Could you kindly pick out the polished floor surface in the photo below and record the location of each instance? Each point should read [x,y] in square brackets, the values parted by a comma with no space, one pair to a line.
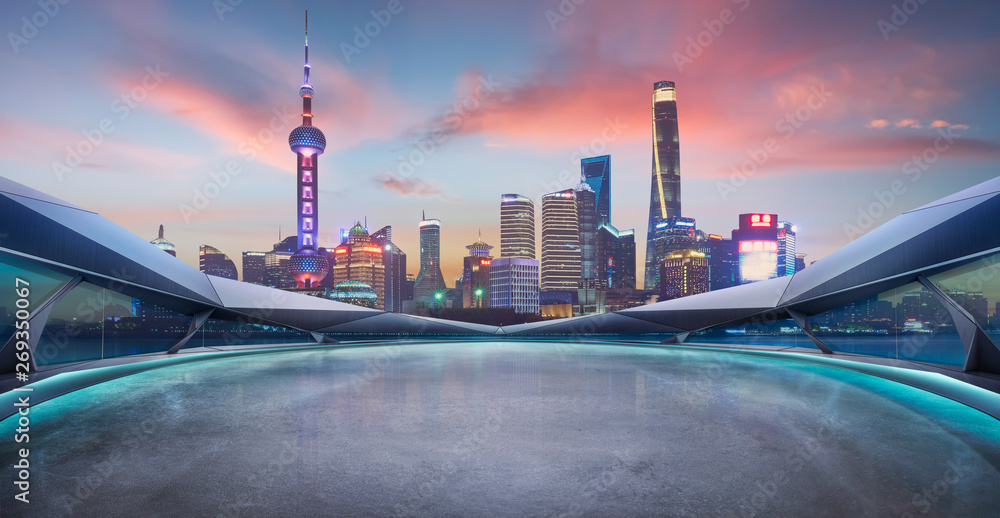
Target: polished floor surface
[505,429]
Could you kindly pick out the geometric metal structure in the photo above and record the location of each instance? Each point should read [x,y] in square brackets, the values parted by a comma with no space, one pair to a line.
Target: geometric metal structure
[918,246]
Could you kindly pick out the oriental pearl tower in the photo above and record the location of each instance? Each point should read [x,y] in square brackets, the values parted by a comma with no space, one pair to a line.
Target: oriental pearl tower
[308,267]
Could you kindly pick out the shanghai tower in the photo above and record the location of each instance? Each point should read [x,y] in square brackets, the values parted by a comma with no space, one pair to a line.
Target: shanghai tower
[665,190]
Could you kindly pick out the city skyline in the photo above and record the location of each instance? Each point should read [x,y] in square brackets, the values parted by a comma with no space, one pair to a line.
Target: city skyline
[192,105]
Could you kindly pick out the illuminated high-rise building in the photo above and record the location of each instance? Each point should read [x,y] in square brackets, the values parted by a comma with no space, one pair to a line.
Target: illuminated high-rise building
[430,281]
[665,189]
[214,262]
[161,243]
[723,263]
[757,247]
[560,242]
[616,259]
[683,273]
[587,224]
[307,266]
[514,284]
[476,275]
[359,259]
[254,267]
[786,248]
[596,172]
[394,261]
[517,226]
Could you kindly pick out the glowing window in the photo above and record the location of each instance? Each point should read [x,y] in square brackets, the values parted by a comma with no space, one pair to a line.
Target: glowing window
[307,224]
[307,240]
[307,193]
[307,176]
[307,208]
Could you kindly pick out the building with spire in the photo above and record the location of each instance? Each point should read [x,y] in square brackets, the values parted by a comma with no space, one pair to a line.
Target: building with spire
[476,275]
[307,266]
[430,286]
[360,259]
[161,243]
[665,187]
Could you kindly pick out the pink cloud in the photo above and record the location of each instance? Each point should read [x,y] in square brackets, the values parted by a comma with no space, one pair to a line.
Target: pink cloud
[878,123]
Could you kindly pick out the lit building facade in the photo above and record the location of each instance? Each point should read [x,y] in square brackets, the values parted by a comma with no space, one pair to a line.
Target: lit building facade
[560,242]
[476,275]
[587,224]
[684,273]
[355,292]
[517,226]
[394,261]
[723,263]
[757,245]
[596,172]
[360,259]
[616,259]
[430,281]
[254,267]
[161,243]
[786,248]
[665,188]
[307,266]
[514,283]
[214,262]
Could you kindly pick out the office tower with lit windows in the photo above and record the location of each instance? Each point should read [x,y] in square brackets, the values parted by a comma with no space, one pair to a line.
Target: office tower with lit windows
[476,275]
[430,281]
[684,273]
[665,189]
[360,259]
[394,261]
[517,226]
[587,224]
[214,262]
[161,243]
[254,267]
[786,248]
[616,262]
[757,245]
[307,266]
[560,269]
[514,283]
[596,172]
[723,263]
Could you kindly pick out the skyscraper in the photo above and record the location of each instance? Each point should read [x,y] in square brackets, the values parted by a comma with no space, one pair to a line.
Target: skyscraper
[786,248]
[476,275]
[723,263]
[596,172]
[214,262]
[394,261]
[430,282]
[307,266]
[683,273]
[757,245]
[254,267]
[517,226]
[616,262]
[163,244]
[359,259]
[587,224]
[514,284]
[560,242]
[665,189]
